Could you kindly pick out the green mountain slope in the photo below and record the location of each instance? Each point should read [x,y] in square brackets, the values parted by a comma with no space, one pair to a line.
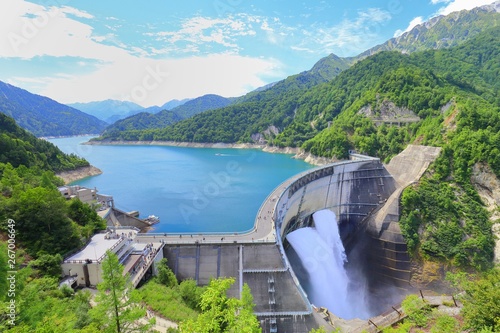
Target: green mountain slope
[145,120]
[43,116]
[18,147]
[290,106]
[46,224]
[422,82]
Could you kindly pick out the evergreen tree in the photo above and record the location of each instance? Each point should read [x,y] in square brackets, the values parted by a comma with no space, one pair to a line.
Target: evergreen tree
[117,310]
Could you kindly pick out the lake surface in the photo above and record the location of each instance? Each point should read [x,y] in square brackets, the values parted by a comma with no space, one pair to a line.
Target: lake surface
[190,189]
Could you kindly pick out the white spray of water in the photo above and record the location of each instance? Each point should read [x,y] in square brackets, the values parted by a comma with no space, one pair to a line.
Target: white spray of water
[322,254]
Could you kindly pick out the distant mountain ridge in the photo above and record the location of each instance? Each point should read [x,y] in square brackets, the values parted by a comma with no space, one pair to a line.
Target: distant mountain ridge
[107,108]
[441,31]
[111,111]
[43,116]
[145,120]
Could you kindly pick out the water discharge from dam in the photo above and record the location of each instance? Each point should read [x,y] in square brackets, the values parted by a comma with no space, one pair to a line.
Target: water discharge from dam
[325,279]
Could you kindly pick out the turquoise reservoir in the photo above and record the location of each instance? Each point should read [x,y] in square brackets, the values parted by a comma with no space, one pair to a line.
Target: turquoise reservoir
[190,189]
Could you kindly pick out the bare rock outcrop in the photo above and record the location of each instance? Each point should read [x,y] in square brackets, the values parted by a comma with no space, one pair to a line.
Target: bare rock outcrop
[487,185]
[79,173]
[387,112]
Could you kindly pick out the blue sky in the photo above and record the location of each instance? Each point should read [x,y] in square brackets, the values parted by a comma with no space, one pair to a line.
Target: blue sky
[153,51]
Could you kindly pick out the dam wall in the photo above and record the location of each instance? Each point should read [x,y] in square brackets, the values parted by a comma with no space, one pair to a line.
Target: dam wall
[351,189]
[279,305]
[363,193]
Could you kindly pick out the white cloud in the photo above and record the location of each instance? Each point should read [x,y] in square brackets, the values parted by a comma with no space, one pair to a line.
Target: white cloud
[413,23]
[28,30]
[153,82]
[457,5]
[347,38]
[76,12]
[439,1]
[127,72]
[201,30]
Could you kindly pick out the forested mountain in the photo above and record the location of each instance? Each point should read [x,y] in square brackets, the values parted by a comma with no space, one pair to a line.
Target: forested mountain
[202,104]
[43,116]
[287,105]
[422,82]
[111,111]
[46,223]
[147,120]
[19,147]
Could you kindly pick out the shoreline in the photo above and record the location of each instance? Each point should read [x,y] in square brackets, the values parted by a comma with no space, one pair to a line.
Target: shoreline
[78,174]
[298,153]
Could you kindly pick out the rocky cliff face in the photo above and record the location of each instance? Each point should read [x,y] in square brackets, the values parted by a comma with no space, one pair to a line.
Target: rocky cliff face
[80,173]
[487,185]
[387,112]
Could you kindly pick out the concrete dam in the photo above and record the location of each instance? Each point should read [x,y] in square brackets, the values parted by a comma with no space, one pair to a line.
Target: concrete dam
[364,195]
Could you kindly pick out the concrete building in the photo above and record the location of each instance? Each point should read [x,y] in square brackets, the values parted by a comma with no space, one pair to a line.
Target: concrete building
[84,269]
[86,195]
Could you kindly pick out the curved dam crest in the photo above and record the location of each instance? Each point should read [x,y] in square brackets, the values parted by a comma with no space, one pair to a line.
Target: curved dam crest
[364,196]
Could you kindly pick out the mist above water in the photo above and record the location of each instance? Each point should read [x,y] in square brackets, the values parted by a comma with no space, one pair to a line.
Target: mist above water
[326,280]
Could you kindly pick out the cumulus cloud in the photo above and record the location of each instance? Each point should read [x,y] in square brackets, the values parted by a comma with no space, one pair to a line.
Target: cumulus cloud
[413,23]
[124,71]
[153,82]
[28,30]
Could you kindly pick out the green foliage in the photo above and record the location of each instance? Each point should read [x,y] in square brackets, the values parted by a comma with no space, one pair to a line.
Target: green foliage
[447,221]
[191,293]
[44,307]
[48,265]
[446,32]
[42,222]
[481,309]
[44,219]
[223,314]
[445,324]
[416,309]
[404,327]
[19,147]
[116,309]
[168,302]
[165,274]
[3,272]
[85,216]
